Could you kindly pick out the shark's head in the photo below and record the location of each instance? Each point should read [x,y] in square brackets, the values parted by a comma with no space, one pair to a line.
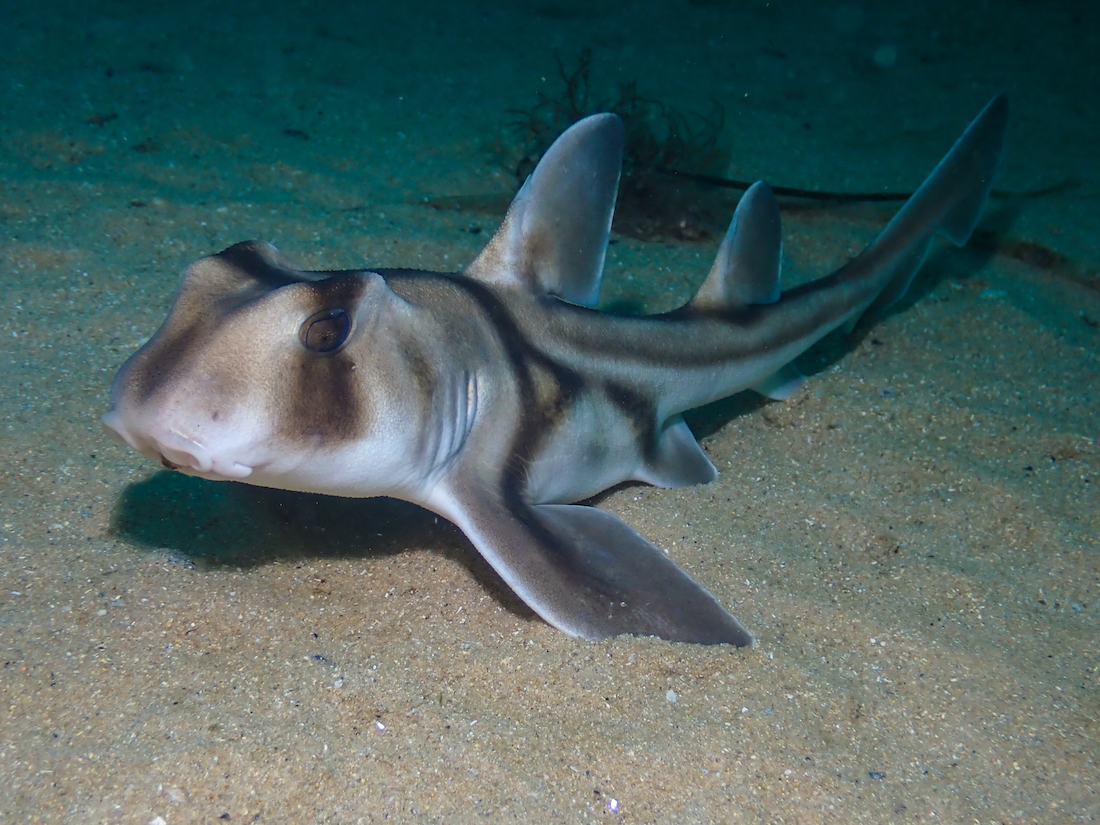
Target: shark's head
[267,373]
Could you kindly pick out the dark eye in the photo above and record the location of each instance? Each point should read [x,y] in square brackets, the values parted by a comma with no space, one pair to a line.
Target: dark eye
[325,330]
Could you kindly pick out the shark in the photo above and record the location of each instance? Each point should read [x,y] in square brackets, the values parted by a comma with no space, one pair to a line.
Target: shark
[499,397]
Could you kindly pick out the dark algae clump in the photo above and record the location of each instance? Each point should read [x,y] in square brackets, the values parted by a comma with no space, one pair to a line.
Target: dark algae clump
[652,204]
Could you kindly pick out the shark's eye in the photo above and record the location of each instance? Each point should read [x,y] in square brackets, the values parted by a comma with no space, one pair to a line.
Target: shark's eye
[326,330]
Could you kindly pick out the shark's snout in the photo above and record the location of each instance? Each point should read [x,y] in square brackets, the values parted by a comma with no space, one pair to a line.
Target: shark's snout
[172,449]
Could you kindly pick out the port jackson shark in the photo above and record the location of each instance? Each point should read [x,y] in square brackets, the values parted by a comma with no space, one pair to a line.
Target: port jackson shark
[498,397]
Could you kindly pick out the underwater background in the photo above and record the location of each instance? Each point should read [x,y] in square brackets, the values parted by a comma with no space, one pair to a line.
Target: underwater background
[913,537]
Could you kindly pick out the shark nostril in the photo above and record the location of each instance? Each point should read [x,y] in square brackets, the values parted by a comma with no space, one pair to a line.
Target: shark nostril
[178,452]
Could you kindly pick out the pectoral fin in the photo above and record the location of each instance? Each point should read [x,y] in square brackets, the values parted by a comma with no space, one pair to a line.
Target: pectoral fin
[587,573]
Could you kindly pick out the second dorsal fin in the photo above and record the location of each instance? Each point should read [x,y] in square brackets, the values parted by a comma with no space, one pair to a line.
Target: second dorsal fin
[746,270]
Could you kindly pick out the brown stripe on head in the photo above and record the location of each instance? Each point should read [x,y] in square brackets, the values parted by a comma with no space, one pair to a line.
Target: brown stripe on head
[321,395]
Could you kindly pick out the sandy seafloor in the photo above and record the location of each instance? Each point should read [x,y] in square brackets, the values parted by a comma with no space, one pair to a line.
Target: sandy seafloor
[913,537]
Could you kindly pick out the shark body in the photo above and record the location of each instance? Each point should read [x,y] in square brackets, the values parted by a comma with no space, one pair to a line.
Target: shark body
[497,397]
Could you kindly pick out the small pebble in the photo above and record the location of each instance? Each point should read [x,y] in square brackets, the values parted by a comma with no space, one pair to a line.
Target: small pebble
[175,558]
[671,696]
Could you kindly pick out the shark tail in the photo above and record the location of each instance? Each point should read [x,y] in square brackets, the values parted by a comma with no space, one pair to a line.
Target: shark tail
[948,203]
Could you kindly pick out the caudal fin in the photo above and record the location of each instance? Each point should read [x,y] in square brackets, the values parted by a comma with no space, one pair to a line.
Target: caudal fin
[949,202]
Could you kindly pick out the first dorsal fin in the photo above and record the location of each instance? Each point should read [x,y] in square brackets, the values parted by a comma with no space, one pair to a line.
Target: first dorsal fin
[554,237]
[746,270]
